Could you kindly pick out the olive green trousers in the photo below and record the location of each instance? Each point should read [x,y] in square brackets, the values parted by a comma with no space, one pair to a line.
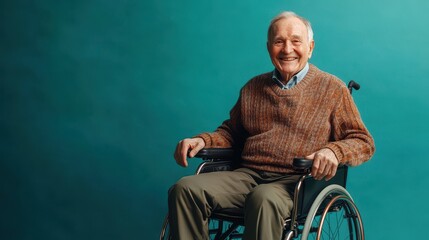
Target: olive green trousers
[265,198]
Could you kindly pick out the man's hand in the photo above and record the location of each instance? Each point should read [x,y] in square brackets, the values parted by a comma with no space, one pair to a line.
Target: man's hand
[325,164]
[182,148]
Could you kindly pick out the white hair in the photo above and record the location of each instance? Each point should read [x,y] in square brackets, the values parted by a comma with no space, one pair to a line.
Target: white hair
[288,14]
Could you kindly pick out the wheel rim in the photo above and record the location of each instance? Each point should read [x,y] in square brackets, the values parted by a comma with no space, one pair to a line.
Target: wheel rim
[340,220]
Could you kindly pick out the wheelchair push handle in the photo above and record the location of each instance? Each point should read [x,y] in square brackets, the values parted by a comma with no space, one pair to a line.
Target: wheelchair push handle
[353,85]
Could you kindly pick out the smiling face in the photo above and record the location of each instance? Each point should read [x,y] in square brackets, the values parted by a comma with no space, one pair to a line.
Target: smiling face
[289,46]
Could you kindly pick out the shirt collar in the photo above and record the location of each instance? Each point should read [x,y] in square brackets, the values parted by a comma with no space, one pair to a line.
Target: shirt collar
[293,81]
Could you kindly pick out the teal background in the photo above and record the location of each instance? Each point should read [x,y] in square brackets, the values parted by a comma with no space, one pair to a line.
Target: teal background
[95,94]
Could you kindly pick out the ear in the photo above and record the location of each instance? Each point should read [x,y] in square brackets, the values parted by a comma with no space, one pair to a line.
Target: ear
[311,49]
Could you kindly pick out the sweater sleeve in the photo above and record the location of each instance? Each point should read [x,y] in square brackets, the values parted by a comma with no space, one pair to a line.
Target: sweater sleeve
[352,143]
[230,134]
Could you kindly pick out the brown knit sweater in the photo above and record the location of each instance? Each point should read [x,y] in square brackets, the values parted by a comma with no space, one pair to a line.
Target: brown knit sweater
[273,126]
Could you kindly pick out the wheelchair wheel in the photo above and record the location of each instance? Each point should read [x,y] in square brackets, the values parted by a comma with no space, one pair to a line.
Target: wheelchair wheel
[333,215]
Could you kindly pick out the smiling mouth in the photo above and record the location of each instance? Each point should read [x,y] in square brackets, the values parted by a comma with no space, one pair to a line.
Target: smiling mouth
[288,59]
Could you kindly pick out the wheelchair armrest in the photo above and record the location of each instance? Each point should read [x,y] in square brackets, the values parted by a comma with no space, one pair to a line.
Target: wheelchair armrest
[305,165]
[302,164]
[217,159]
[217,153]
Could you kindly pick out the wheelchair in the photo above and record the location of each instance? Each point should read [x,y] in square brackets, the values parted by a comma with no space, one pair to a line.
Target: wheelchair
[321,209]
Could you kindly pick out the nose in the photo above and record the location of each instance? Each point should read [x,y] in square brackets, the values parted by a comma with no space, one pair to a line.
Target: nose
[288,47]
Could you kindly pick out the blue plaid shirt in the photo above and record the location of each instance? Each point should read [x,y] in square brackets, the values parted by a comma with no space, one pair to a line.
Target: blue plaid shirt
[293,81]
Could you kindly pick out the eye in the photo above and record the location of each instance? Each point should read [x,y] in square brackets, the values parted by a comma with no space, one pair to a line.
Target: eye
[296,42]
[278,42]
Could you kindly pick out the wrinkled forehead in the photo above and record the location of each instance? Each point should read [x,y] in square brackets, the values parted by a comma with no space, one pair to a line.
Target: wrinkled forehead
[291,25]
[288,26]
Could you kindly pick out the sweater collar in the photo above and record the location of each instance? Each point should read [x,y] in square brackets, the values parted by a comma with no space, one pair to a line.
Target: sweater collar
[309,76]
[277,77]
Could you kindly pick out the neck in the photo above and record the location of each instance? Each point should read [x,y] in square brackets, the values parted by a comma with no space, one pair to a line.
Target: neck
[288,76]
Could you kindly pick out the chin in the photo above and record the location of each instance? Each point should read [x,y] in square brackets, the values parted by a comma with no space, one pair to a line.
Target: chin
[289,69]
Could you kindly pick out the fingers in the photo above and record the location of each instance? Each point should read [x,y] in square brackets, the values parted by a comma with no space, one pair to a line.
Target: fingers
[198,144]
[320,167]
[183,147]
[179,155]
[331,174]
[325,164]
[315,167]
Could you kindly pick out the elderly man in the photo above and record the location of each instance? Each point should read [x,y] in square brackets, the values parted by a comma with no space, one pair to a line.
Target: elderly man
[296,110]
